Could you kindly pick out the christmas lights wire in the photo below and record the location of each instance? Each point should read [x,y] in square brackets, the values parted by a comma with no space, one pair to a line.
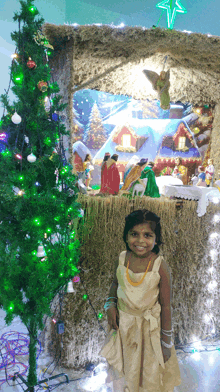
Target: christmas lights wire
[13,344]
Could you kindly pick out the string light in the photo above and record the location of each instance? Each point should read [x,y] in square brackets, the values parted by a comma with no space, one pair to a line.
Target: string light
[211,270]
[215,200]
[213,236]
[212,285]
[216,218]
[213,254]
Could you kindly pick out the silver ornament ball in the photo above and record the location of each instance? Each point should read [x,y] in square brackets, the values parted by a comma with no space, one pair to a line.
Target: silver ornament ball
[16,119]
[31,158]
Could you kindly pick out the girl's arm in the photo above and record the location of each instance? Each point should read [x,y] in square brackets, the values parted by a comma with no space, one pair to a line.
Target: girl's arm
[114,286]
[112,312]
[165,298]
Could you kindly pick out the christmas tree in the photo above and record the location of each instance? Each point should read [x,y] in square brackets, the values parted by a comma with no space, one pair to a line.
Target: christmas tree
[95,136]
[39,250]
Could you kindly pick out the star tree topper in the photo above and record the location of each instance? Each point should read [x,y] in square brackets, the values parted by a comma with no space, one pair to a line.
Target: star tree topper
[172,7]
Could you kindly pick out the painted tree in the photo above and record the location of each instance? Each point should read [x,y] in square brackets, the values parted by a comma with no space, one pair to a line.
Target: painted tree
[38,248]
[78,127]
[95,135]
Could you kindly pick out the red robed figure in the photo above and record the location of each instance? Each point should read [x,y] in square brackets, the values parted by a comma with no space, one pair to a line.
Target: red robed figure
[110,178]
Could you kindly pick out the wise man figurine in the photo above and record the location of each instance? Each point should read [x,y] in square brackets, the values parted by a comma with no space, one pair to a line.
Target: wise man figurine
[111,176]
[104,189]
[209,172]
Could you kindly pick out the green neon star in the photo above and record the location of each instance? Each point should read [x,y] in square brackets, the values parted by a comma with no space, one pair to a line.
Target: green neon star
[171,10]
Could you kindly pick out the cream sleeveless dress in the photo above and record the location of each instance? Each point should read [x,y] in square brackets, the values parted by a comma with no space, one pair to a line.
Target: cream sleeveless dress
[134,351]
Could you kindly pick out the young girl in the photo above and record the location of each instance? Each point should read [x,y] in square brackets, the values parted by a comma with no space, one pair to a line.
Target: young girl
[87,167]
[139,311]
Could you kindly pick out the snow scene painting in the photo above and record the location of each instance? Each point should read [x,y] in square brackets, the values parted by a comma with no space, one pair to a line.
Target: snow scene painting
[122,125]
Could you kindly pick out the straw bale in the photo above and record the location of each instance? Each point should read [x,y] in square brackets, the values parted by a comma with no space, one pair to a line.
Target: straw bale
[185,248]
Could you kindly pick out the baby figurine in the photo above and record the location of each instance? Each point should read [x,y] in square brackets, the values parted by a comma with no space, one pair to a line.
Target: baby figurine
[209,171]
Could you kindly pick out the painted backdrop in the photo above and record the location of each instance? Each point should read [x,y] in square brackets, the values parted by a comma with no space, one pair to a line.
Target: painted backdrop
[122,125]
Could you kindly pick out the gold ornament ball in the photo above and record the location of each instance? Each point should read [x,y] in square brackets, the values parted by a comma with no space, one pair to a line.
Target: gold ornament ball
[42,86]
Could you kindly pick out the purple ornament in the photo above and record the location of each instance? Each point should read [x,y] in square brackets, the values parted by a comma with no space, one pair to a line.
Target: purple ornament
[76,279]
[55,117]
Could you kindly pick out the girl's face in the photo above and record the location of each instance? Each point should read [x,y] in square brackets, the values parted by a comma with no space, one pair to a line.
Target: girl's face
[141,240]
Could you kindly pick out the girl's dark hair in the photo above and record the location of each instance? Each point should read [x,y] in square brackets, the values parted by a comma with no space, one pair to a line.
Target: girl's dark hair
[143,216]
[86,158]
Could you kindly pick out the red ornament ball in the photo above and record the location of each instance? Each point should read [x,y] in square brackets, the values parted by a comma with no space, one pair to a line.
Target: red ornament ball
[42,86]
[31,64]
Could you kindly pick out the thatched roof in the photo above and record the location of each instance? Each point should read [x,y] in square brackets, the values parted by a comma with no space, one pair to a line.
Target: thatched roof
[193,58]
[192,50]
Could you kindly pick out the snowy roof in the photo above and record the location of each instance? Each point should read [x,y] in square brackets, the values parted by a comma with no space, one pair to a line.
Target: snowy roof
[81,149]
[154,130]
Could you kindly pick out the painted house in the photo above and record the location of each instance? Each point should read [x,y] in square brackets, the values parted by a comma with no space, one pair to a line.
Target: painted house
[181,144]
[159,140]
[79,153]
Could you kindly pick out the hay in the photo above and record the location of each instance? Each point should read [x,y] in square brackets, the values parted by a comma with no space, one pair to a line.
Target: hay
[185,237]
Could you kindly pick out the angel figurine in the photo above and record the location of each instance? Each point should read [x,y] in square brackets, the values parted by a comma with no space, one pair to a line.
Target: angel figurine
[161,84]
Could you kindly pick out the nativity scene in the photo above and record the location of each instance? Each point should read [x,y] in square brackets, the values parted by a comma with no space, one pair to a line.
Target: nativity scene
[151,129]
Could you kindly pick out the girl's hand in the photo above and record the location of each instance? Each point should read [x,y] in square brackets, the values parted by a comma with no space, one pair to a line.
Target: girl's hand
[166,353]
[113,318]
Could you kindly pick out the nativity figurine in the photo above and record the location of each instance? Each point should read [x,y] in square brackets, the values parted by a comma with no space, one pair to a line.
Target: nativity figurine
[161,84]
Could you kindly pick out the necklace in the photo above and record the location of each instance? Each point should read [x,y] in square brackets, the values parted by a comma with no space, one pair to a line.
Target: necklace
[137,283]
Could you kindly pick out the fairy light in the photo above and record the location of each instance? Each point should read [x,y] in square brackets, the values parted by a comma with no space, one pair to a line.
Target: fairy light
[213,254]
[211,270]
[213,236]
[209,302]
[215,200]
[212,285]
[216,218]
[208,317]
[14,56]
